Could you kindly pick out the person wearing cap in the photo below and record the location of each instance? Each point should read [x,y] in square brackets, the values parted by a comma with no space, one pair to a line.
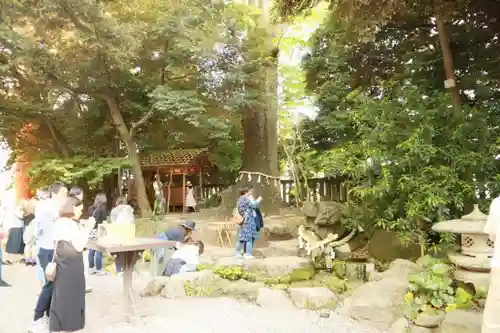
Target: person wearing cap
[180,234]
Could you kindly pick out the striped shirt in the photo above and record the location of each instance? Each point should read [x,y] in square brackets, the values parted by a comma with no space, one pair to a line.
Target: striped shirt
[46,214]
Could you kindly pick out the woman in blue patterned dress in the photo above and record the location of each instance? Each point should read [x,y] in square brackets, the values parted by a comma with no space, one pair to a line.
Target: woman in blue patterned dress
[248,229]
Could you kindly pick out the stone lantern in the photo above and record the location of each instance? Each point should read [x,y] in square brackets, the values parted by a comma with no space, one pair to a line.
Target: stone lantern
[473,261]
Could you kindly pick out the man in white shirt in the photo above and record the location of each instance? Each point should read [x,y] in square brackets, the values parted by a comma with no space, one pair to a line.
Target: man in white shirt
[46,213]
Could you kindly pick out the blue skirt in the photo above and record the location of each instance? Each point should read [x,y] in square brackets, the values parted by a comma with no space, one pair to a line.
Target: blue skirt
[15,243]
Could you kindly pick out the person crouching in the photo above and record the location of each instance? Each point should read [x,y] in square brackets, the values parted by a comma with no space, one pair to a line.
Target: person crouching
[185,259]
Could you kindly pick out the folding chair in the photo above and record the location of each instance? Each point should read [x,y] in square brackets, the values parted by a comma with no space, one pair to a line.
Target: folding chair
[223,234]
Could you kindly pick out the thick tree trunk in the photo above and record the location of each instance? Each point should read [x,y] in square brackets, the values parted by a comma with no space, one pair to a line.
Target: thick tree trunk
[123,131]
[58,139]
[444,42]
[260,148]
[448,64]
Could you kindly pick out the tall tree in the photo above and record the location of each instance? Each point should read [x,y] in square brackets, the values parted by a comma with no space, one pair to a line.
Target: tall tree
[138,60]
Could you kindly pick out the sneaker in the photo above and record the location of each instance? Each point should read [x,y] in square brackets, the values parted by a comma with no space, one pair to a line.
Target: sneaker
[100,273]
[4,284]
[39,326]
[92,271]
[238,255]
[248,256]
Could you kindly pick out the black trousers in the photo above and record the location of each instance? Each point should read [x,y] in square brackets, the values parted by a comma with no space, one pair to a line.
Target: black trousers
[45,298]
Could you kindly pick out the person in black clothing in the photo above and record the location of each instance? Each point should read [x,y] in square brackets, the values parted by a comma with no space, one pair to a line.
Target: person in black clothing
[100,214]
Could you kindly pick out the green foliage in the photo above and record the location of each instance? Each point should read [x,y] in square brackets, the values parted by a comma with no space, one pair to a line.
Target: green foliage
[195,291]
[336,285]
[76,170]
[430,290]
[213,200]
[384,118]
[234,273]
[202,267]
[231,273]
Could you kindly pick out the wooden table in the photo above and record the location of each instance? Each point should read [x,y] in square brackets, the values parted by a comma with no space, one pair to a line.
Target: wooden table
[127,255]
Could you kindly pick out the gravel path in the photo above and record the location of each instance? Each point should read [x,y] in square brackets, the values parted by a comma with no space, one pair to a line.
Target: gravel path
[191,315]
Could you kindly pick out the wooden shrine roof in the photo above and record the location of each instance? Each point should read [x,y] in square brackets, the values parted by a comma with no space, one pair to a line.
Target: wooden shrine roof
[176,157]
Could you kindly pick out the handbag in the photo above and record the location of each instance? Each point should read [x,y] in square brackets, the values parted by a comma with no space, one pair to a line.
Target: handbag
[29,234]
[237,218]
[51,269]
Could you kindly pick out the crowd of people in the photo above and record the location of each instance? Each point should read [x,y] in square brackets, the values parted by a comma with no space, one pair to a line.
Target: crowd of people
[50,233]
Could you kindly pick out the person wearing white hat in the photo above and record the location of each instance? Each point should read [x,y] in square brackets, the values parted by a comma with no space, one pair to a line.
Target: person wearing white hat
[190,199]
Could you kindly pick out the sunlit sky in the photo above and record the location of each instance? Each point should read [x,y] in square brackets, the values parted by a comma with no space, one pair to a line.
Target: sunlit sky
[302,31]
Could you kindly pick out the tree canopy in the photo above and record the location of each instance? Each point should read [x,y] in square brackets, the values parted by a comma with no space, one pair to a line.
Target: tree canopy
[96,79]
[385,117]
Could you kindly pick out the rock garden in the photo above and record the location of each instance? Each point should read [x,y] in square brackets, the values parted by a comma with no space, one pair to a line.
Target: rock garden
[399,295]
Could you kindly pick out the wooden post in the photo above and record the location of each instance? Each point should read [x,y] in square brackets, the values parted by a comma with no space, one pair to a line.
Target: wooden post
[183,190]
[200,180]
[169,191]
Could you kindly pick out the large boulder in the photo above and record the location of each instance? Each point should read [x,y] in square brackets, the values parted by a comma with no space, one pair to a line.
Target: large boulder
[280,248]
[241,289]
[329,213]
[155,286]
[269,267]
[402,325]
[278,266]
[313,298]
[398,268]
[182,285]
[386,246]
[381,301]
[324,213]
[273,299]
[461,321]
[207,284]
[310,209]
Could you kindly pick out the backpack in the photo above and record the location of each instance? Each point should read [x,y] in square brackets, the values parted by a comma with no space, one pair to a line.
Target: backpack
[259,218]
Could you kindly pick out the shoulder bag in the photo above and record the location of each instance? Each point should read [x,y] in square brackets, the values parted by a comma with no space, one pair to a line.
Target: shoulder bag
[237,218]
[51,269]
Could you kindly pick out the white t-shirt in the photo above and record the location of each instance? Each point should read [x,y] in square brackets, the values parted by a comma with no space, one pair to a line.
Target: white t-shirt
[493,229]
[189,253]
[69,230]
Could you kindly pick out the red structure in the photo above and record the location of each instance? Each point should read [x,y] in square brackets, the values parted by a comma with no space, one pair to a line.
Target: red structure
[21,181]
[21,166]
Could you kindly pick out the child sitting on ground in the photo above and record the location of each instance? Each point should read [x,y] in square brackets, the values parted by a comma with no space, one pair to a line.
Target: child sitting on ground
[185,259]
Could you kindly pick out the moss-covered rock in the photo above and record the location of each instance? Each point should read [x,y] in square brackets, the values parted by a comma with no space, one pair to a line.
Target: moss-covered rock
[336,285]
[258,271]
[302,274]
[313,298]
